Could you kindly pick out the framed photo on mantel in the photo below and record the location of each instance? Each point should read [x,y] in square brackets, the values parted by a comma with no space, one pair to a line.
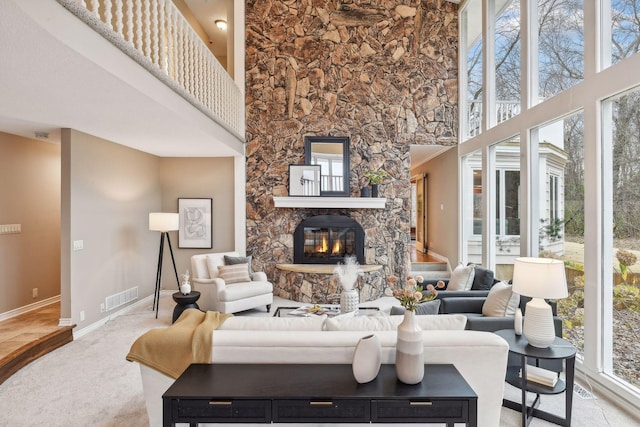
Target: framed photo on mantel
[196,223]
[304,180]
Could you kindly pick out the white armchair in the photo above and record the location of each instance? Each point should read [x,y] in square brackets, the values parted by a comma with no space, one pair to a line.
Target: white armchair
[217,295]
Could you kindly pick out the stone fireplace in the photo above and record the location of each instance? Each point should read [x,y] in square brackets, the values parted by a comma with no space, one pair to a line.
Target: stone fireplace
[384,74]
[327,239]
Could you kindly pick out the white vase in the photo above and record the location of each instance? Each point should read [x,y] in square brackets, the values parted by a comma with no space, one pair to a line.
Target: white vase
[366,359]
[517,322]
[185,288]
[349,301]
[409,350]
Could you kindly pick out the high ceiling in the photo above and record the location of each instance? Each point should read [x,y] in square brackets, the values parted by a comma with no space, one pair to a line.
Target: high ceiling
[58,73]
[207,12]
[51,81]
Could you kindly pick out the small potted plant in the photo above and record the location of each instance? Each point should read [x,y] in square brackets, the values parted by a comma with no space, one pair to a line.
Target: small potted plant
[375,178]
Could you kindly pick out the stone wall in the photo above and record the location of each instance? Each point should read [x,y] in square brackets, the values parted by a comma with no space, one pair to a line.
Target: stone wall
[384,73]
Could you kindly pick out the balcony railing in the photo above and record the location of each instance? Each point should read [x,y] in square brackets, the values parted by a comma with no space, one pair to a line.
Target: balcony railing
[156,35]
[504,111]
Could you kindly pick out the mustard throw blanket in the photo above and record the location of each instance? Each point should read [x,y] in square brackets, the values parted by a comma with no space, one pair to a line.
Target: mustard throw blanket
[171,350]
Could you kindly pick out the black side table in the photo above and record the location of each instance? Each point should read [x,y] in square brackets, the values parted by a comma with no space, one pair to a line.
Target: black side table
[558,350]
[183,302]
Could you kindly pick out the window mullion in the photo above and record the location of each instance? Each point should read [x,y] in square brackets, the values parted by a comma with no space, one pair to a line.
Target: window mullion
[529,54]
[489,193]
[489,64]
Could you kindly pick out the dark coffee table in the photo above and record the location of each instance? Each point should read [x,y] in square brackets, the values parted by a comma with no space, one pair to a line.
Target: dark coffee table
[183,302]
[258,393]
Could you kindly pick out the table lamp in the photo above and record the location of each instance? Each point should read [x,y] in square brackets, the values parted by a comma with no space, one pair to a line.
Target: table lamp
[163,222]
[539,278]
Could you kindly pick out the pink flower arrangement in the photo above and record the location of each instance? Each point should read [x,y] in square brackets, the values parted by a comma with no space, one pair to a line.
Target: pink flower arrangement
[412,294]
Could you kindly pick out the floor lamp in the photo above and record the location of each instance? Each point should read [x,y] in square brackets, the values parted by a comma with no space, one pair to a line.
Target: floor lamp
[163,222]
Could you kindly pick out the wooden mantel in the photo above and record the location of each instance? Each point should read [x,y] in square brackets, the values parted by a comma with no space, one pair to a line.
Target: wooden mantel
[321,268]
[330,202]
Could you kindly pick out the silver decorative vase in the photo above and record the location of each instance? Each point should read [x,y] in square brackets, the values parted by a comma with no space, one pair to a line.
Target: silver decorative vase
[349,301]
[409,350]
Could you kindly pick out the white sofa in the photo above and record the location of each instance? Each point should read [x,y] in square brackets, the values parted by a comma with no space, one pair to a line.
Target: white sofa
[216,295]
[481,357]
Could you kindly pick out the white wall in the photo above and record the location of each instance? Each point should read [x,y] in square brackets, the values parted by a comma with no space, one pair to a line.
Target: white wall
[442,204]
[108,191]
[29,196]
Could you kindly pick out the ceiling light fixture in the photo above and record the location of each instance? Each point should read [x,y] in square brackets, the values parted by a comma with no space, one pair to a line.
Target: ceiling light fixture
[221,24]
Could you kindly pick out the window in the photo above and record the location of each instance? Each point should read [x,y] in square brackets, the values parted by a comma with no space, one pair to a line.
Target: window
[508,62]
[570,187]
[554,208]
[622,282]
[625,29]
[561,45]
[472,39]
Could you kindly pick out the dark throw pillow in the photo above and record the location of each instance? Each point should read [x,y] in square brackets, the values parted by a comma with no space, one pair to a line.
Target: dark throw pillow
[428,307]
[483,279]
[232,260]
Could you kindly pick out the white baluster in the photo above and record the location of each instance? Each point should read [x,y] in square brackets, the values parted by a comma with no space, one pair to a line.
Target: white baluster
[129,27]
[155,32]
[95,8]
[147,30]
[180,55]
[119,16]
[108,17]
[138,43]
[163,36]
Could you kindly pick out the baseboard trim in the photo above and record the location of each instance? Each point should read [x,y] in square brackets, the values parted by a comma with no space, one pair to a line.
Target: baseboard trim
[95,325]
[27,308]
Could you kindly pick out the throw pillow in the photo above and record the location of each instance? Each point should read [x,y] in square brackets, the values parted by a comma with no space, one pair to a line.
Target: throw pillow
[233,260]
[248,323]
[482,279]
[455,322]
[234,273]
[501,301]
[427,307]
[461,278]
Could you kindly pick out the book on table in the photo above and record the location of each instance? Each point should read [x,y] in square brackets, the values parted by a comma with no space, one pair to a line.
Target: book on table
[540,376]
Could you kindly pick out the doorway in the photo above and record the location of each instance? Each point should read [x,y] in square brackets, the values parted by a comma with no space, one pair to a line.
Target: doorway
[419,212]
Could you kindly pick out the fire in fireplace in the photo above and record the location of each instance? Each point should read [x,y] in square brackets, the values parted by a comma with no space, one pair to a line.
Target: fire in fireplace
[327,239]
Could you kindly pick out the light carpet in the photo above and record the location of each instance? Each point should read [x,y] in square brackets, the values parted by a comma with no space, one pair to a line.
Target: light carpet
[88,382]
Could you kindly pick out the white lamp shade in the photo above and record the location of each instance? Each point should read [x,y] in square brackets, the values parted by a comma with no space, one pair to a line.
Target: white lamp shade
[160,221]
[539,278]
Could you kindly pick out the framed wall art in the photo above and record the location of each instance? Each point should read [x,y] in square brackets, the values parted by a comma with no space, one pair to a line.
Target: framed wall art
[196,223]
[304,180]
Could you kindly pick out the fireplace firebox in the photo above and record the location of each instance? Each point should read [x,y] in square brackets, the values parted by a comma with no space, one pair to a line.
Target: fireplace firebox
[328,239]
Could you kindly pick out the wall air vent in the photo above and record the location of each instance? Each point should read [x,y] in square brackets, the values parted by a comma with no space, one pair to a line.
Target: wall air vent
[121,298]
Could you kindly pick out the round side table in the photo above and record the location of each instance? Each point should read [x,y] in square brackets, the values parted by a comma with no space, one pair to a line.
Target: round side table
[559,349]
[183,302]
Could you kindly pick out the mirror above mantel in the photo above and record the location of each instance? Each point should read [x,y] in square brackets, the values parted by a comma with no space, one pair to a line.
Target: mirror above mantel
[332,154]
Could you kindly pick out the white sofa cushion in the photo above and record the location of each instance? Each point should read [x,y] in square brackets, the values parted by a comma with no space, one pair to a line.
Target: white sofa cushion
[238,291]
[204,265]
[312,323]
[390,323]
[501,301]
[213,262]
[461,278]
[236,273]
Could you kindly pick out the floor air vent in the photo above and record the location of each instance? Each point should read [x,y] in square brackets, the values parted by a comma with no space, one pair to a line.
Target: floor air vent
[121,298]
[583,393]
